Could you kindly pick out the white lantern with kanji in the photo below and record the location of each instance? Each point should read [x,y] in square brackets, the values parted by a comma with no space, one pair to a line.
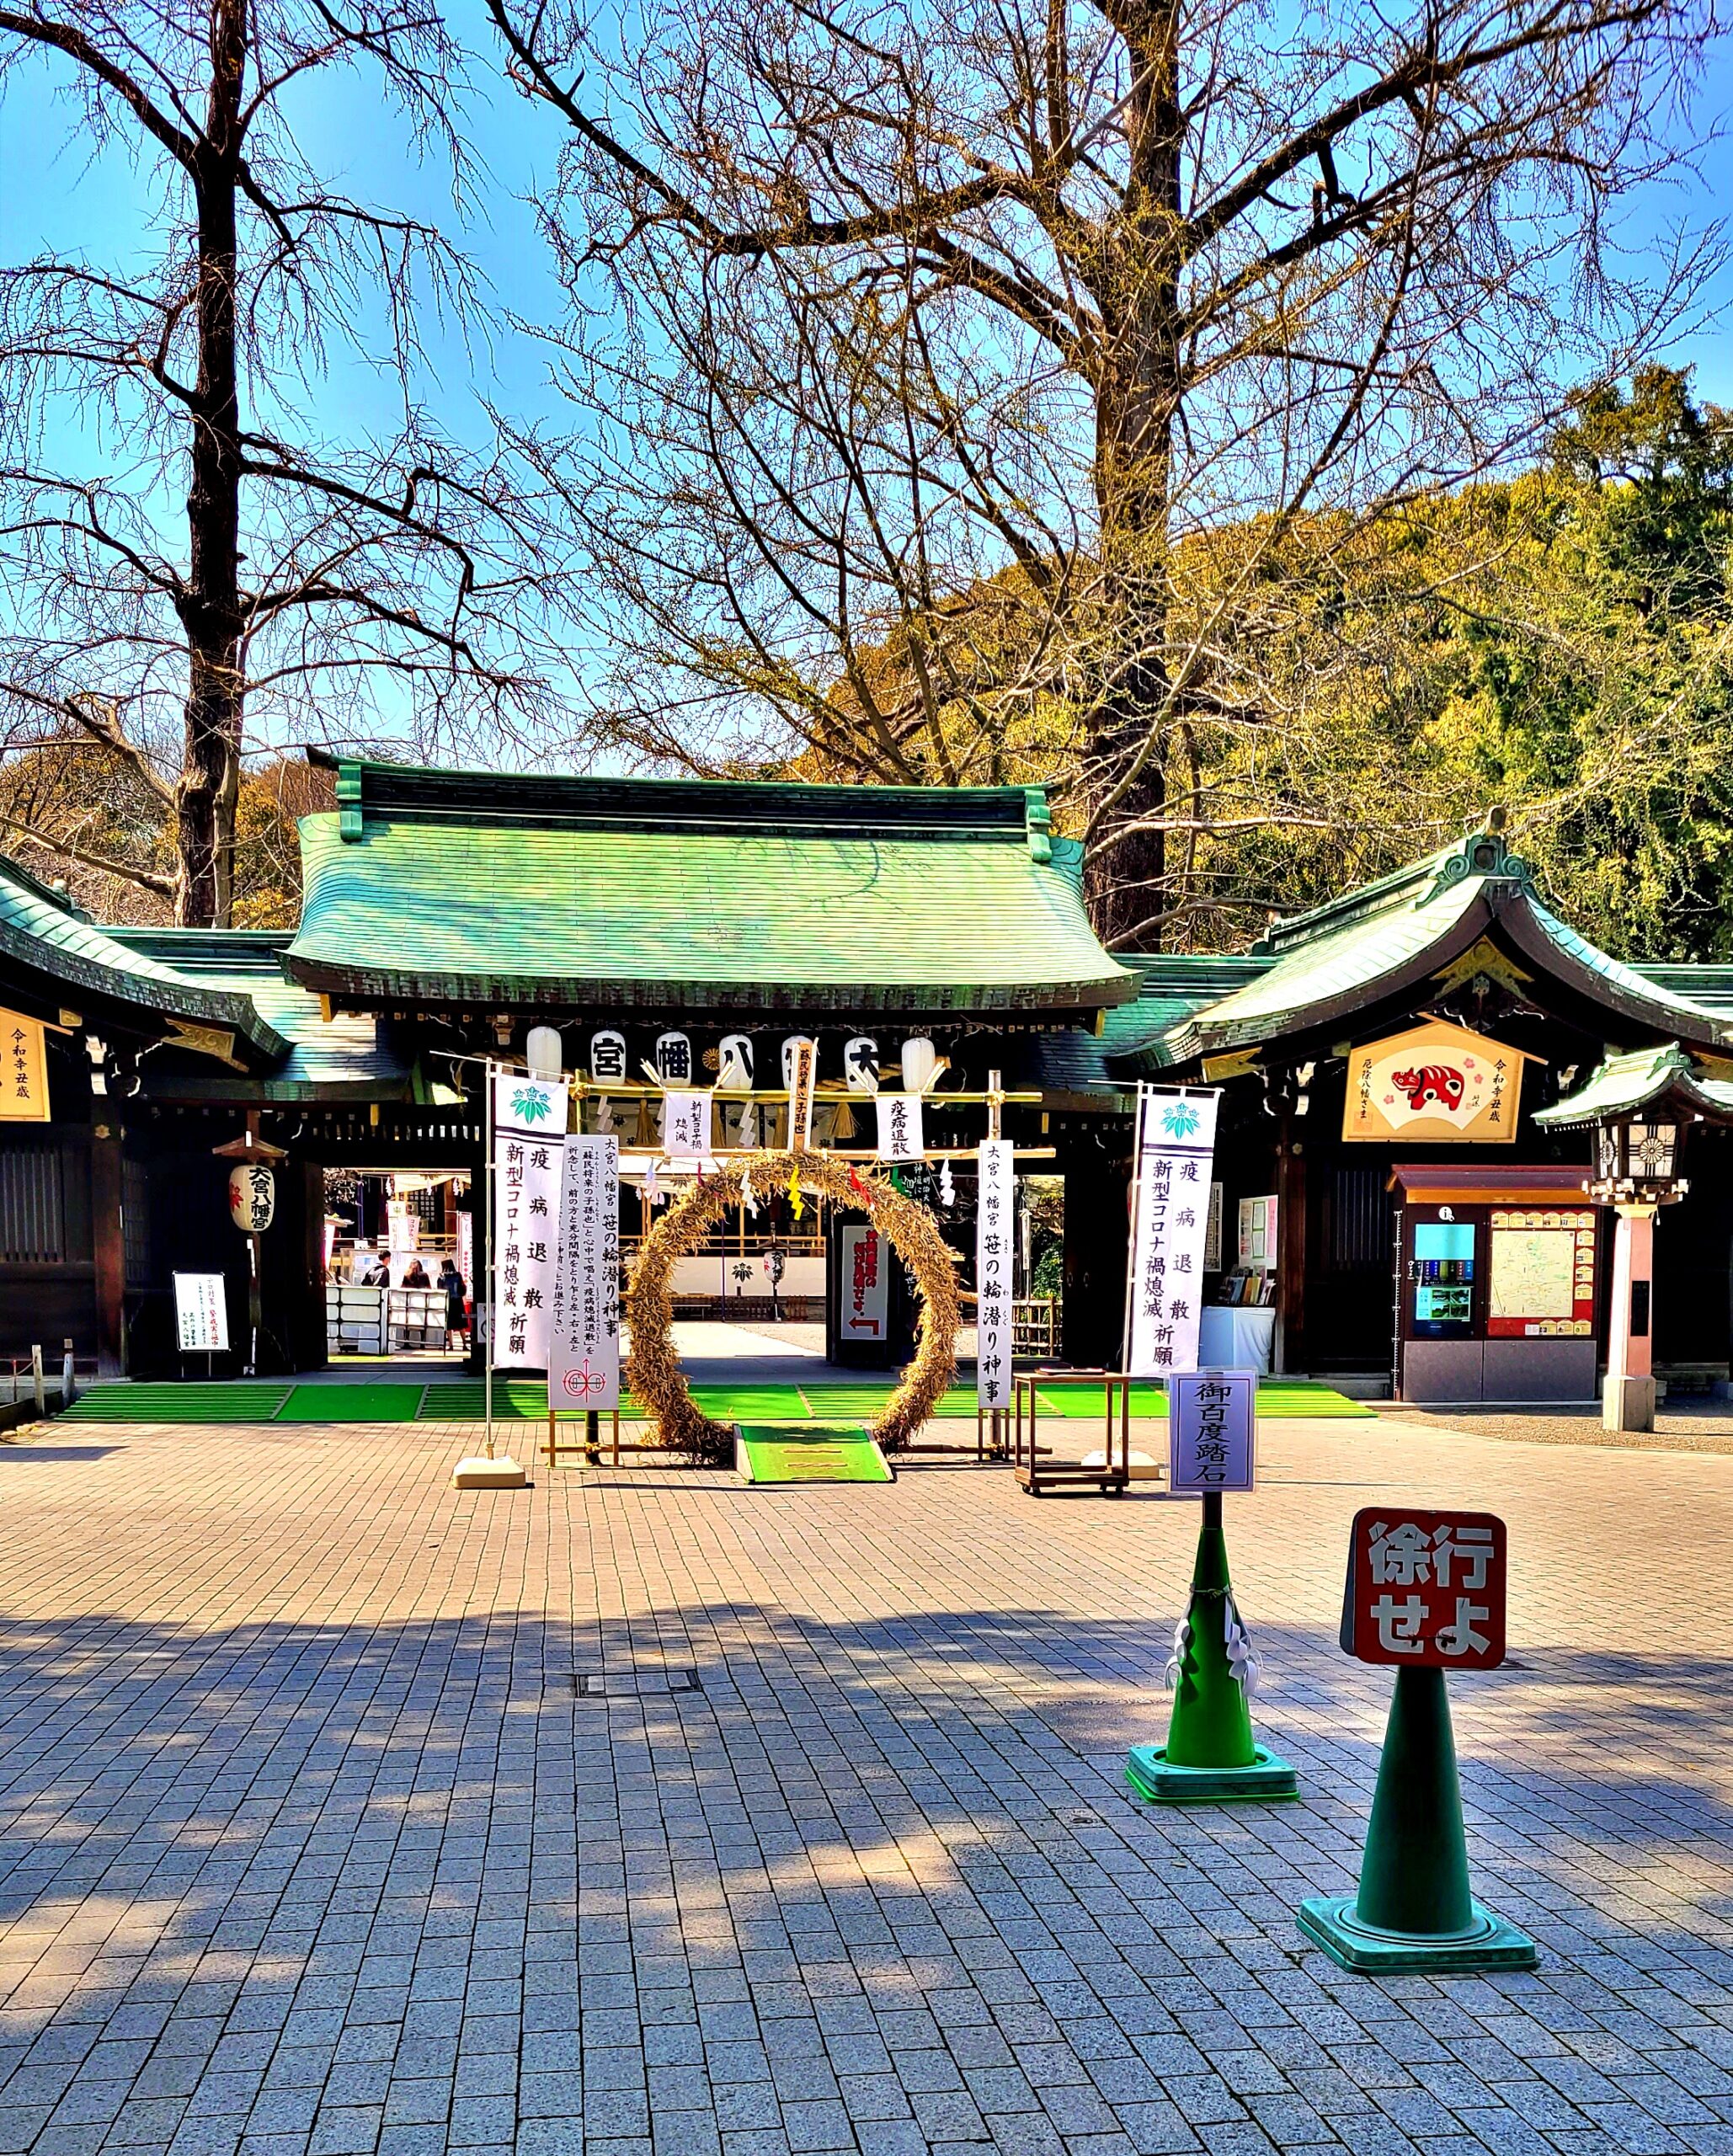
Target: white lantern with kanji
[253,1196]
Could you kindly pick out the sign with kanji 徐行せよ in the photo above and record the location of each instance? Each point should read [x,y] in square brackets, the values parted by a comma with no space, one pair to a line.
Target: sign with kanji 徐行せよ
[1437,1084]
[1425,1590]
[1212,1416]
[24,1090]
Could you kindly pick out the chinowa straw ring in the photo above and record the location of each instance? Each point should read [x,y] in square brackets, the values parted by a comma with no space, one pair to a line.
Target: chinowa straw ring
[653,1367]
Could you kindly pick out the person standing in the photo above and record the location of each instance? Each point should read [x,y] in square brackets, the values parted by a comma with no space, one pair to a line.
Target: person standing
[451,1280]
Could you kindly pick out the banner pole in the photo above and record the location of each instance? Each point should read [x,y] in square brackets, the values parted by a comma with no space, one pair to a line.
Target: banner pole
[487,1228]
[1131,1224]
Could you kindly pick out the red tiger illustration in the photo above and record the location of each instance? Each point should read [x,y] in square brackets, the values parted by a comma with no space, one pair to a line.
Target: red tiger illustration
[1434,1081]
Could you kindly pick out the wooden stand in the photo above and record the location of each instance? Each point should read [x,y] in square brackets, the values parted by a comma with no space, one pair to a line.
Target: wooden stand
[590,1443]
[1109,1480]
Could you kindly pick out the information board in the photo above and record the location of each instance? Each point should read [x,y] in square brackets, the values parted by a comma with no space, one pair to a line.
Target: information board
[1541,1273]
[201,1313]
[1212,1419]
[866,1281]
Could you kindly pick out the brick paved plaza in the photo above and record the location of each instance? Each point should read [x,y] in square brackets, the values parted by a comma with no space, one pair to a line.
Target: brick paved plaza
[311,1844]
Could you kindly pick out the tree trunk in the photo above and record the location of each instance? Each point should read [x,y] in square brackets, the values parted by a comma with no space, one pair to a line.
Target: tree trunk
[1138,398]
[209,605]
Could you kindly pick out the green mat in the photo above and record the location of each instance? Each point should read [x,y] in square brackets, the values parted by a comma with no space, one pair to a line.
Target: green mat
[524,1400]
[217,1400]
[826,1452]
[351,1403]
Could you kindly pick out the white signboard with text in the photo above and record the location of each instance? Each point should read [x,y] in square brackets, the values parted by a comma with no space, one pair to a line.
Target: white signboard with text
[201,1313]
[685,1126]
[529,1147]
[901,1135]
[1175,1145]
[1212,1425]
[995,1230]
[584,1367]
[866,1281]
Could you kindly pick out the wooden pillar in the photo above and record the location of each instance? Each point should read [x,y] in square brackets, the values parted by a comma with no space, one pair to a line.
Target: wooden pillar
[108,1239]
[1627,1395]
[1290,1351]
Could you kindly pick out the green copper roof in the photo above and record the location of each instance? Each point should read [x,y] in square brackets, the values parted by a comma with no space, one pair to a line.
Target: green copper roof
[1324,966]
[1623,1084]
[343,1057]
[497,891]
[40,930]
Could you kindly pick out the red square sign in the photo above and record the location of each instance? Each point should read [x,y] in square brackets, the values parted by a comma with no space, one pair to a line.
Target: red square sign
[1425,1589]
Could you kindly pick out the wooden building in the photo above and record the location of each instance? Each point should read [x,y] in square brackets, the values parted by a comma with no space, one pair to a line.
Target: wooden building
[444,913]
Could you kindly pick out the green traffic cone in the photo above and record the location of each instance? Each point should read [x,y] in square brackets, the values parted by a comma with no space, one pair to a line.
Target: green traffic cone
[1414,1909]
[1210,1755]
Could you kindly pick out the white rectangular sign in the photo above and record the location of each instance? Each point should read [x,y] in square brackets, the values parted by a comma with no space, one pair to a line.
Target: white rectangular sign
[529,1150]
[1211,1422]
[201,1313]
[901,1136]
[584,1370]
[1176,1145]
[866,1281]
[685,1126]
[996,1234]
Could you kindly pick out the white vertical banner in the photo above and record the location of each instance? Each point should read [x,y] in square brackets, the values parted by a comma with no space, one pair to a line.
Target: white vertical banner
[902,1134]
[685,1125]
[529,1152]
[995,1232]
[1175,1147]
[584,1349]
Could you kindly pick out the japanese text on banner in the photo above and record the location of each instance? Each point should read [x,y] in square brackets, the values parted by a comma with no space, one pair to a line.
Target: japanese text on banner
[584,1369]
[995,1231]
[528,1151]
[685,1127]
[1170,1211]
[901,1135]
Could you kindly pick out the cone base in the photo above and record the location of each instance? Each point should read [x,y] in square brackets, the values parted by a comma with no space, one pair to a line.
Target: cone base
[1268,1779]
[1329,1921]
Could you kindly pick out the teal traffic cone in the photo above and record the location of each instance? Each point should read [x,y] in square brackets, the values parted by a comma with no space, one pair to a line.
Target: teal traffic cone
[1414,1909]
[1210,1755]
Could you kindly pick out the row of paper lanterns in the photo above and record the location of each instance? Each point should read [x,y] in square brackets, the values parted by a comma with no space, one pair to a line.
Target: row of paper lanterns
[675,1065]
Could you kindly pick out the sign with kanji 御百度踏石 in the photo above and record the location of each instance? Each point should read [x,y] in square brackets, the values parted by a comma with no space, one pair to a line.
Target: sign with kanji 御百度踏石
[1175,1145]
[1425,1589]
[583,1343]
[528,1154]
[1212,1416]
[1437,1083]
[901,1133]
[995,1235]
[201,1313]
[865,1284]
[24,1090]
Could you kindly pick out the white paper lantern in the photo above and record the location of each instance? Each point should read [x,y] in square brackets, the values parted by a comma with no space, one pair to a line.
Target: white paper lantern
[860,1063]
[541,1052]
[607,1058]
[920,1059]
[734,1061]
[253,1196]
[674,1058]
[791,1047]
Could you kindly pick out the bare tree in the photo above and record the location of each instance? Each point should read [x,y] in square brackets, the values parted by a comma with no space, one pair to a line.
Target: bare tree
[188,537]
[986,391]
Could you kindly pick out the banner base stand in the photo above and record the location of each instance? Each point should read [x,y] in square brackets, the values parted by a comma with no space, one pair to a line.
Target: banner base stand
[480,1473]
[1488,1942]
[1268,1779]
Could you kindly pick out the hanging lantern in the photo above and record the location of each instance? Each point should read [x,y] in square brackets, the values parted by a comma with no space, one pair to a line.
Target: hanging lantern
[734,1063]
[920,1059]
[607,1058]
[860,1063]
[791,1048]
[674,1058]
[541,1052]
[253,1196]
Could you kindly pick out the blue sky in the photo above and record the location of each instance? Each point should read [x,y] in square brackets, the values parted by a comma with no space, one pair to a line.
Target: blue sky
[55,196]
